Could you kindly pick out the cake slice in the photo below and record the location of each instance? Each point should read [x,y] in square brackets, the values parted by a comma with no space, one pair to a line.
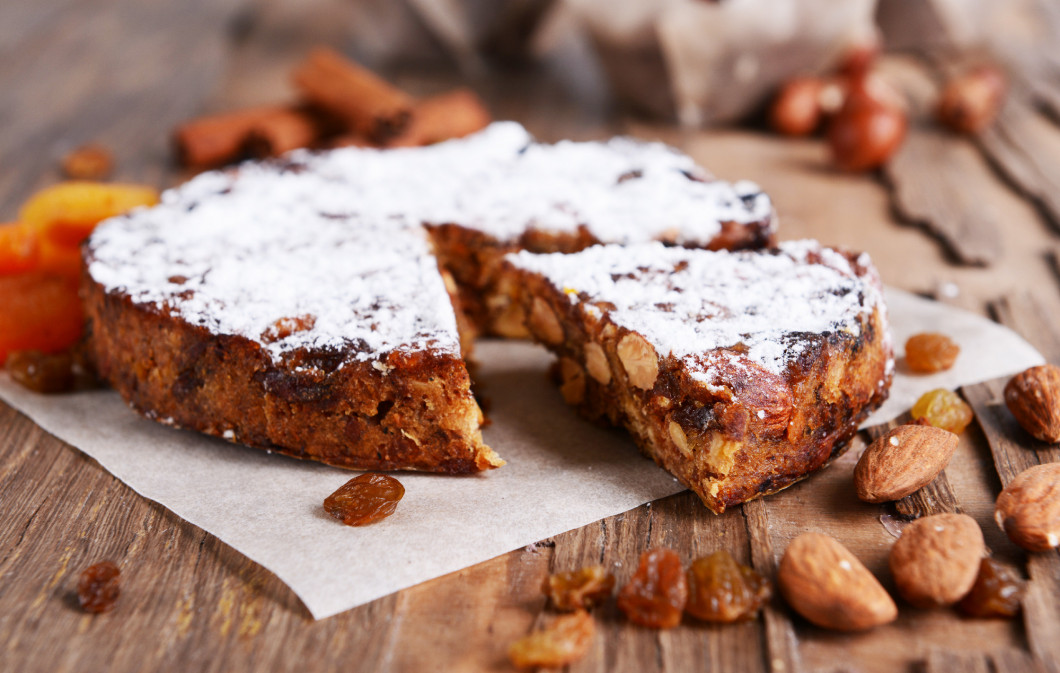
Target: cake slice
[258,306]
[740,373]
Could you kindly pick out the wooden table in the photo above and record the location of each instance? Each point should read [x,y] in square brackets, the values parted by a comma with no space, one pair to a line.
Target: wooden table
[123,72]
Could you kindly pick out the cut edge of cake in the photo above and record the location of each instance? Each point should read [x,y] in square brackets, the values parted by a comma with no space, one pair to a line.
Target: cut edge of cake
[732,421]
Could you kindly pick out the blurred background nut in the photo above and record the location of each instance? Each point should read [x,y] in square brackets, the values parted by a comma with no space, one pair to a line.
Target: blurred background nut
[869,128]
[970,102]
[797,109]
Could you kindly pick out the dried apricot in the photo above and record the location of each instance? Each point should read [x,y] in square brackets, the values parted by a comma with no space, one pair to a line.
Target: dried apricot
[930,352]
[722,590]
[67,213]
[38,312]
[98,587]
[655,596]
[579,589]
[365,499]
[564,641]
[19,248]
[997,592]
[943,409]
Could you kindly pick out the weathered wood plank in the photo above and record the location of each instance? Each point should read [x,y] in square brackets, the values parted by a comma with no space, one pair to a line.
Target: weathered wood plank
[782,647]
[948,661]
[1025,147]
[1015,451]
[939,179]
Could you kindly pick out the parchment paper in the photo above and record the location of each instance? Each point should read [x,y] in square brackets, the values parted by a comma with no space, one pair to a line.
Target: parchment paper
[562,472]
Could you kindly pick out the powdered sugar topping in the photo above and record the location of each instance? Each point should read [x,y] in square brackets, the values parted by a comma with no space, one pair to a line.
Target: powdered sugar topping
[337,236]
[690,302]
[275,256]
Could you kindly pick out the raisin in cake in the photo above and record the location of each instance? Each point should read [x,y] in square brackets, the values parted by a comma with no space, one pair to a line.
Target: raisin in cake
[740,373]
[299,306]
[498,191]
[256,307]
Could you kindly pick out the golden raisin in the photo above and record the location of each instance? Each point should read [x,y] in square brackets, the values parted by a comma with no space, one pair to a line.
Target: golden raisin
[365,499]
[565,641]
[722,590]
[996,593]
[98,587]
[88,162]
[930,352]
[579,589]
[943,409]
[656,594]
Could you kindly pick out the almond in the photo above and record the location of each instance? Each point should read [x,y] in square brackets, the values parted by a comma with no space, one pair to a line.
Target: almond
[1033,397]
[936,560]
[544,323]
[1028,509]
[639,360]
[829,586]
[902,462]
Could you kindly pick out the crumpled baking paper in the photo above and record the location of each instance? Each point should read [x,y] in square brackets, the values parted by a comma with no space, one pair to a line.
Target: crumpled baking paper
[562,472]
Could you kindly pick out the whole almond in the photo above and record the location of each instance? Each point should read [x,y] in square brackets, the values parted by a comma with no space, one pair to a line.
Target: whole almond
[1028,509]
[1033,397]
[936,560]
[829,586]
[902,462]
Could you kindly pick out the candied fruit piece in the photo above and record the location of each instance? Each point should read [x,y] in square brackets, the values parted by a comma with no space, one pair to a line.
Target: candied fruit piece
[722,590]
[930,352]
[943,409]
[655,596]
[997,592]
[365,499]
[98,587]
[564,641]
[579,589]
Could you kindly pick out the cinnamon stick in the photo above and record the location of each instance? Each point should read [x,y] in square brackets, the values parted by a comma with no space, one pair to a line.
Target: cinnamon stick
[287,130]
[366,104]
[216,140]
[453,114]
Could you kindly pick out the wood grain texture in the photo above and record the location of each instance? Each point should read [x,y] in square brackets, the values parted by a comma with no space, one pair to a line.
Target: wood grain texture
[1025,147]
[938,180]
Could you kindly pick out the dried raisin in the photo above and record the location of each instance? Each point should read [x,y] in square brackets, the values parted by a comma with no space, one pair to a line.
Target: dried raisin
[655,596]
[579,589]
[943,409]
[566,640]
[722,590]
[996,593]
[98,587]
[930,352]
[52,372]
[365,499]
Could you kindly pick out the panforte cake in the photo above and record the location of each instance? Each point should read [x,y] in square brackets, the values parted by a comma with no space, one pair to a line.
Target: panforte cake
[738,372]
[251,306]
[306,305]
